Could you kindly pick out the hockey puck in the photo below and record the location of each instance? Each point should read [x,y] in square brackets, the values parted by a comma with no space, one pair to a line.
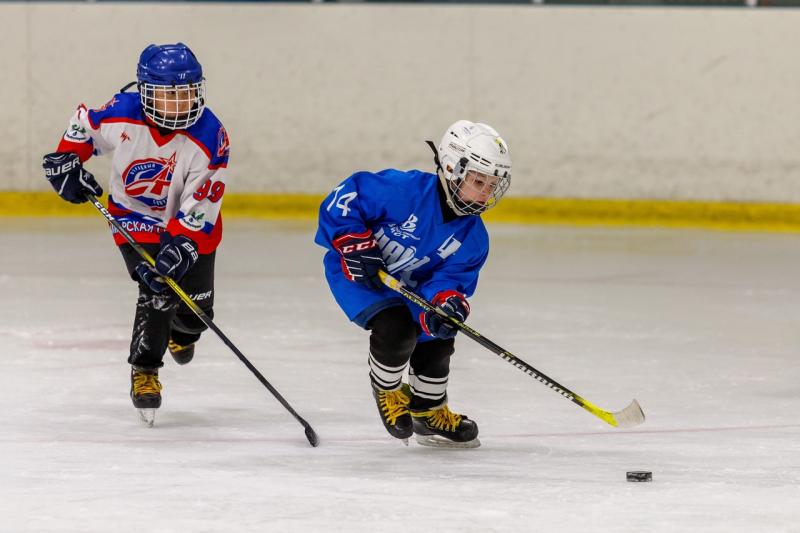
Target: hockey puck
[638,476]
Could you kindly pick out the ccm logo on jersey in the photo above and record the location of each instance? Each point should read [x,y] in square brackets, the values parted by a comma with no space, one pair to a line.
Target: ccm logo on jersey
[148,180]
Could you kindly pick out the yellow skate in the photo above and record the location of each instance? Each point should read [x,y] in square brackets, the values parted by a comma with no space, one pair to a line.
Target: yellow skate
[145,393]
[181,354]
[442,428]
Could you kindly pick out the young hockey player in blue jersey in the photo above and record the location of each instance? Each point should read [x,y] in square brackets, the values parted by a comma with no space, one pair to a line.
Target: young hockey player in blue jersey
[426,230]
[169,154]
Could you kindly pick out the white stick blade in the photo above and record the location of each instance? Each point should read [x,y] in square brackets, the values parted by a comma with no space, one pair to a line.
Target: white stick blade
[630,417]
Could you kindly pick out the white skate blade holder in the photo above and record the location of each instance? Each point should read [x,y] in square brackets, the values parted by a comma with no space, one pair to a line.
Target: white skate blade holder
[147,416]
[436,441]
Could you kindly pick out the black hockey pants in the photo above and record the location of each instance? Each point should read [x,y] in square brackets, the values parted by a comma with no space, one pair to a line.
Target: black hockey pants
[161,317]
[393,344]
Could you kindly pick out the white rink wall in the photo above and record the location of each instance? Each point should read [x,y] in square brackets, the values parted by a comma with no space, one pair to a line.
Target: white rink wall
[652,103]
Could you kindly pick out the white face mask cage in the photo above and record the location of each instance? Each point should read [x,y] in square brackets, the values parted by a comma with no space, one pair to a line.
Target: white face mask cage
[173,107]
[466,181]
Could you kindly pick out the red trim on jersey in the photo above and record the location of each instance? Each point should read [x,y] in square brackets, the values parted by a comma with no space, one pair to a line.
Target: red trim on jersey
[89,117]
[206,242]
[84,150]
[144,237]
[202,146]
[161,140]
[140,237]
[117,211]
[206,151]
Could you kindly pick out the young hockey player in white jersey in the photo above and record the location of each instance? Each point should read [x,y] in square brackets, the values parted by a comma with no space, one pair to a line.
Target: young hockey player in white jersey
[169,154]
[425,229]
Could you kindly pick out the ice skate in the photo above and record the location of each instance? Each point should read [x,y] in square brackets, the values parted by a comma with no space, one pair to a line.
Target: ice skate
[441,428]
[147,416]
[181,354]
[393,408]
[145,393]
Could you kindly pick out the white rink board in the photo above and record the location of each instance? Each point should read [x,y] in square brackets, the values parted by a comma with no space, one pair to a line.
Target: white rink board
[594,102]
[700,327]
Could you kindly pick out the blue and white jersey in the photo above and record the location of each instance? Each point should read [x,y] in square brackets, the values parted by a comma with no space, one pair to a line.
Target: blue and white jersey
[404,212]
[160,181]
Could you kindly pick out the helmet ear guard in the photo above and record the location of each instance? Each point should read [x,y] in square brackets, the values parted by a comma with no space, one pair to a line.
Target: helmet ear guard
[460,169]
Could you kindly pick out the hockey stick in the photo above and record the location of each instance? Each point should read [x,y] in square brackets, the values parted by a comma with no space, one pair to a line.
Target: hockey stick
[631,416]
[311,435]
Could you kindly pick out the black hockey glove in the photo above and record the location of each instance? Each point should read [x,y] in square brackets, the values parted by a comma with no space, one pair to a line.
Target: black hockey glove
[174,259]
[65,173]
[454,304]
[361,258]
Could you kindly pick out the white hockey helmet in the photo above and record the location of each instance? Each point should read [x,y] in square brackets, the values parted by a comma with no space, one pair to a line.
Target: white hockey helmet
[473,147]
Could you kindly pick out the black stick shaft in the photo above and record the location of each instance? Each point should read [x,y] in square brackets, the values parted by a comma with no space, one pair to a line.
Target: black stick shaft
[311,435]
[630,416]
[393,284]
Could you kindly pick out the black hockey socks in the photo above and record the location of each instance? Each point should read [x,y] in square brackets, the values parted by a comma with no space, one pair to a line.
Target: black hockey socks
[428,375]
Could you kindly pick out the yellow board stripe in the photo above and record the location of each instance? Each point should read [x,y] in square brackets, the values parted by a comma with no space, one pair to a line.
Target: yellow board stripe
[746,216]
[591,212]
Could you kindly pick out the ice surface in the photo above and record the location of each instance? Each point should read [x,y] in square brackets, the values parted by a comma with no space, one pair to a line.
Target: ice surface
[700,327]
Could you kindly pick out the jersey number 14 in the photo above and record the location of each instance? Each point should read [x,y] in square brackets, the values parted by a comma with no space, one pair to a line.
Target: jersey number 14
[344,200]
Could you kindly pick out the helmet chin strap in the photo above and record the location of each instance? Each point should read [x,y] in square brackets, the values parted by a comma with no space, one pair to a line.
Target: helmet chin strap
[440,172]
[131,84]
[435,155]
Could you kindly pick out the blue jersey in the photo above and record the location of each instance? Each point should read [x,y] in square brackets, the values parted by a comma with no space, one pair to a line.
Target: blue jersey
[419,246]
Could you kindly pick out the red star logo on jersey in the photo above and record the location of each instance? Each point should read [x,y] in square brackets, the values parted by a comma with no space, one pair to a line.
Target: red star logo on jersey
[164,177]
[148,180]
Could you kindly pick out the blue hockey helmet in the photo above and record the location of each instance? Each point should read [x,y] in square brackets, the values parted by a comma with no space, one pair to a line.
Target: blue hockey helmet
[171,85]
[168,64]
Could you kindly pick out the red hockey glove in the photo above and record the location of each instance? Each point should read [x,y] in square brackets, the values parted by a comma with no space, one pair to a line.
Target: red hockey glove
[454,304]
[361,258]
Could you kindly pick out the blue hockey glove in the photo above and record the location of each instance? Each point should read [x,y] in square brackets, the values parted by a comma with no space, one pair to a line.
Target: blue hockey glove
[453,304]
[174,259]
[65,173]
[150,277]
[361,258]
